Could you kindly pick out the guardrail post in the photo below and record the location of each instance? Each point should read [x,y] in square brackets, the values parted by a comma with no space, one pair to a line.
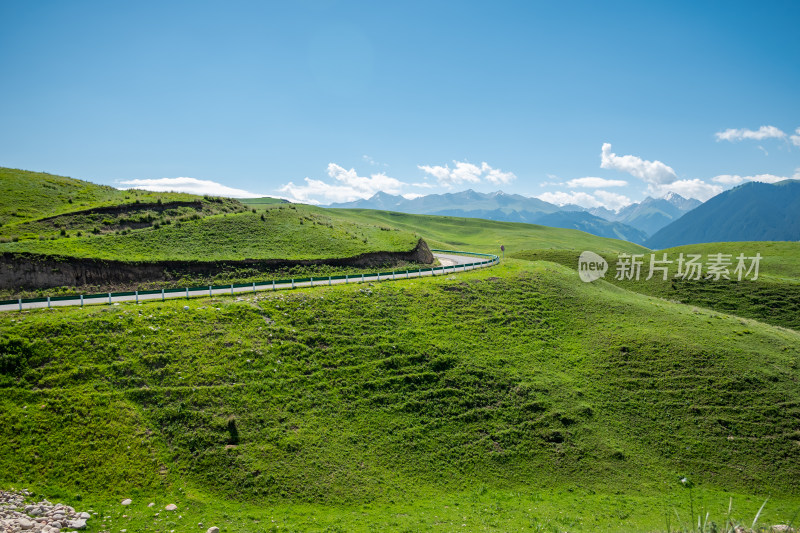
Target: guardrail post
[346,280]
[109,297]
[312,282]
[273,284]
[254,287]
[137,296]
[231,289]
[392,275]
[162,295]
[293,283]
[187,293]
[362,277]
[48,302]
[81,300]
[379,276]
[209,292]
[407,274]
[20,305]
[330,280]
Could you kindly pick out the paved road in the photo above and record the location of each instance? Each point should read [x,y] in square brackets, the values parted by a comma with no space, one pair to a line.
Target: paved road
[453,261]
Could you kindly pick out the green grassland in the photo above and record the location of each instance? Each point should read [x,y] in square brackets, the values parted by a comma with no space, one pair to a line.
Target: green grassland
[282,232]
[28,196]
[130,217]
[773,298]
[512,398]
[479,235]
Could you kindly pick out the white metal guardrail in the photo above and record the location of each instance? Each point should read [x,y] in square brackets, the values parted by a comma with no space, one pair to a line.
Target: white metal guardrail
[482,261]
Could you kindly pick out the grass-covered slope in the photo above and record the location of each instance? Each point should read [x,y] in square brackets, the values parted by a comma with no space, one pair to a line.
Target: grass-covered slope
[471,402]
[488,235]
[281,232]
[26,196]
[773,298]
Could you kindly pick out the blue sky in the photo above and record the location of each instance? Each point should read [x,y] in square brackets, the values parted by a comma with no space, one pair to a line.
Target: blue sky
[329,101]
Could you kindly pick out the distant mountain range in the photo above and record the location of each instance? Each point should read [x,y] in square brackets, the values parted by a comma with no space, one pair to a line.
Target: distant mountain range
[633,223]
[750,212]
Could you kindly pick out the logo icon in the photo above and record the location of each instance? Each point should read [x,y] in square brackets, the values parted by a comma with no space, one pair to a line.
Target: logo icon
[591,267]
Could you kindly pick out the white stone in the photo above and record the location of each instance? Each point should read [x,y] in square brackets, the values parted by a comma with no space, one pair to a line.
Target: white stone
[213,529]
[78,524]
[171,507]
[127,501]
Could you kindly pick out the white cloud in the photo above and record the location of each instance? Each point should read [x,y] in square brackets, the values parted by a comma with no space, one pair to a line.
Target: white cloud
[440,173]
[764,132]
[612,200]
[733,179]
[372,162]
[349,187]
[688,189]
[652,172]
[422,184]
[582,199]
[464,172]
[595,183]
[189,185]
[497,176]
[600,198]
[796,137]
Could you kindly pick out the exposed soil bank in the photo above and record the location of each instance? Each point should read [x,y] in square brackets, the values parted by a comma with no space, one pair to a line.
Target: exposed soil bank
[34,271]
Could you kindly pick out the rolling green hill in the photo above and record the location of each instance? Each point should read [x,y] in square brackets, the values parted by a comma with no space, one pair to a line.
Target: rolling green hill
[282,232]
[773,298]
[29,196]
[511,398]
[487,236]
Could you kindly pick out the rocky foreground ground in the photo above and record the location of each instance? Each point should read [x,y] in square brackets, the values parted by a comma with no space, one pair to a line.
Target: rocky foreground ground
[17,516]
[45,517]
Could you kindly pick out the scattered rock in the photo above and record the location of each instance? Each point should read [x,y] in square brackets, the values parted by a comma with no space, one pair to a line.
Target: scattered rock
[171,507]
[151,504]
[127,501]
[213,529]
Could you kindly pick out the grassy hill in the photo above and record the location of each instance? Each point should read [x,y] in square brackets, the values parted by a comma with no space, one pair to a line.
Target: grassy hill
[511,398]
[773,298]
[284,232]
[67,218]
[29,196]
[487,235]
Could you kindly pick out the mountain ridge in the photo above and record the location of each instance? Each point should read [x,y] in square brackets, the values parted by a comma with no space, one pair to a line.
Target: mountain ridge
[752,211]
[634,223]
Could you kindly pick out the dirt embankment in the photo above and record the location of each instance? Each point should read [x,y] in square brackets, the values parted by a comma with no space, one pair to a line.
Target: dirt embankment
[33,271]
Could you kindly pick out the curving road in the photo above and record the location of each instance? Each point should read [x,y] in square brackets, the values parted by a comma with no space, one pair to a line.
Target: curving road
[449,260]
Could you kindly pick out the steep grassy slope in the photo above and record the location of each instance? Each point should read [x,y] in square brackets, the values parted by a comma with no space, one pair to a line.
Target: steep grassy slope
[515,397]
[32,195]
[284,232]
[487,235]
[773,298]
